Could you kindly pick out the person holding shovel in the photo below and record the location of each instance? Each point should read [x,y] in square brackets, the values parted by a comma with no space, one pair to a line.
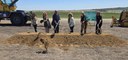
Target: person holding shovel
[56,22]
[71,22]
[46,21]
[33,20]
[84,23]
[98,23]
[114,20]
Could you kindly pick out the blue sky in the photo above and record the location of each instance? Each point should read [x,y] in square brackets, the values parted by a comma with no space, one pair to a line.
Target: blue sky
[69,4]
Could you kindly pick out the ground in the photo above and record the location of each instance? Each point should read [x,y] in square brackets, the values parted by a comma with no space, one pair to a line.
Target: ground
[23,52]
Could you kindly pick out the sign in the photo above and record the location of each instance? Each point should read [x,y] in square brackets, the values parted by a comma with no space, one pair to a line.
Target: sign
[90,15]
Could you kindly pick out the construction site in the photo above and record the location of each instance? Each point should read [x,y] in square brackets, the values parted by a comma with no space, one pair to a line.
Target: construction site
[18,41]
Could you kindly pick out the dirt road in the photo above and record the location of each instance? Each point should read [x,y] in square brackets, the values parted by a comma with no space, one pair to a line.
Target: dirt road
[18,52]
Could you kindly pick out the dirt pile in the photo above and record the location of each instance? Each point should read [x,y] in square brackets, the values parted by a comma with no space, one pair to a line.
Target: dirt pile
[89,40]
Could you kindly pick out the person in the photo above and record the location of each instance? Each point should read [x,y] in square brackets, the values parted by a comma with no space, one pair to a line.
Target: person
[71,22]
[46,21]
[98,23]
[1,9]
[56,22]
[83,23]
[33,20]
[114,20]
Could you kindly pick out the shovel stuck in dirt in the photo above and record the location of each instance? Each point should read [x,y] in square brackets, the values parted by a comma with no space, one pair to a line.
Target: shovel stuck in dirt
[44,42]
[52,36]
[45,45]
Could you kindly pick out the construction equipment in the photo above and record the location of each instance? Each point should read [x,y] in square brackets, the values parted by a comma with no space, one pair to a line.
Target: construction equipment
[8,10]
[123,20]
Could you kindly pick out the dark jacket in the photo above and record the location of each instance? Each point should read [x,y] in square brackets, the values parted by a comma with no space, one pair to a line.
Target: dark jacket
[83,18]
[56,19]
[98,19]
[47,23]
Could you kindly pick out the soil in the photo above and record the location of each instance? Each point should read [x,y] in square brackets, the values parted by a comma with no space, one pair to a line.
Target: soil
[74,39]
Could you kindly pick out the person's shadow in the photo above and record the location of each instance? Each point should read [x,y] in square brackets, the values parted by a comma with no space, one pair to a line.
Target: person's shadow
[3,25]
[41,52]
[52,35]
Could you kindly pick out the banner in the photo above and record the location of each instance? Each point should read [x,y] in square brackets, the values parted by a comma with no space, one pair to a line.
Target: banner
[90,15]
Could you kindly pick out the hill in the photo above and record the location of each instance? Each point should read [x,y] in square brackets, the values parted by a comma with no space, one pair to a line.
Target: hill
[113,10]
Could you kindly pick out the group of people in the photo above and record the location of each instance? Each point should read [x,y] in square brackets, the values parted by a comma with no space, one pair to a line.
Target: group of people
[56,22]
[84,23]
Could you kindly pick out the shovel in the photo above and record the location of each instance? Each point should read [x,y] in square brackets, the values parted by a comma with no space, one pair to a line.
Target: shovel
[55,29]
[98,27]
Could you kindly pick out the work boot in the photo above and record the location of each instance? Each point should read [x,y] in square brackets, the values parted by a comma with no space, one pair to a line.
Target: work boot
[70,32]
[97,32]
[81,34]
[100,31]
[84,32]
[111,26]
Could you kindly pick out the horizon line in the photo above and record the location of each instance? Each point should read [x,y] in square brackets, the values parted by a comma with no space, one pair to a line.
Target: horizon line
[72,9]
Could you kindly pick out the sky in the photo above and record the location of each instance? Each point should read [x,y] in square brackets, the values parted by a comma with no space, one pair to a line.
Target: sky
[69,4]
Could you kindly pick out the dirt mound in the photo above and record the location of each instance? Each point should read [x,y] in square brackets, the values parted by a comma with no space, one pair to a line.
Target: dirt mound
[89,40]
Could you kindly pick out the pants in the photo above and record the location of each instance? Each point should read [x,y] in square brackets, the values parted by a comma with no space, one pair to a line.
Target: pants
[0,19]
[83,27]
[112,23]
[72,29]
[98,28]
[56,28]
[46,29]
[35,28]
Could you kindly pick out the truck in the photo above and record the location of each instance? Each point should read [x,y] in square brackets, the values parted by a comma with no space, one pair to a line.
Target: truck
[8,11]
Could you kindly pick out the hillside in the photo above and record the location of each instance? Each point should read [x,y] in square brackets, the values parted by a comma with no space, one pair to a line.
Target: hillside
[106,12]
[116,10]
